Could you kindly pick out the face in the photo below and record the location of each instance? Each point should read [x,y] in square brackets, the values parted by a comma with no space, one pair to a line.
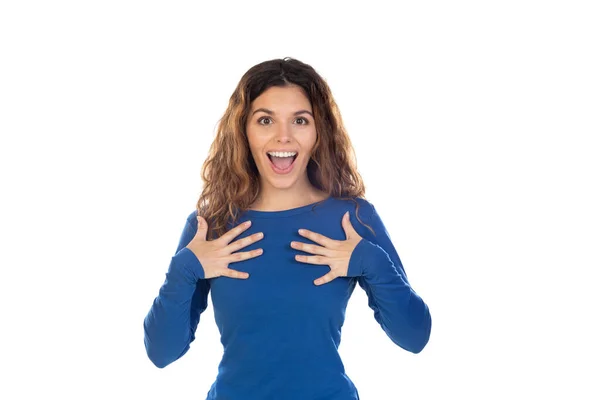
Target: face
[281,123]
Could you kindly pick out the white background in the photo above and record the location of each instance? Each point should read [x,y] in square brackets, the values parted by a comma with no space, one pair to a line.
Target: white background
[475,126]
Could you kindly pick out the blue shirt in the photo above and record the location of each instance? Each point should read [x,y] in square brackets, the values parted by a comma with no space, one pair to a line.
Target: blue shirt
[280,331]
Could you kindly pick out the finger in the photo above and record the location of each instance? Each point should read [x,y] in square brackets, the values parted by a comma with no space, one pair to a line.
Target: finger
[232,233]
[232,273]
[311,248]
[328,277]
[347,225]
[235,257]
[318,238]
[202,228]
[316,260]
[241,243]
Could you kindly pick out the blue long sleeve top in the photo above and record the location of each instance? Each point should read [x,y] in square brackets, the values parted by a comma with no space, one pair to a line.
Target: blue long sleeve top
[280,332]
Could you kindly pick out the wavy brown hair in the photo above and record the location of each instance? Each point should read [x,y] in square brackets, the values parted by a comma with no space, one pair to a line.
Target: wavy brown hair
[230,176]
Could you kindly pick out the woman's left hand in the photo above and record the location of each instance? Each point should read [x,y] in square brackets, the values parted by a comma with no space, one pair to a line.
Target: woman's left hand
[335,253]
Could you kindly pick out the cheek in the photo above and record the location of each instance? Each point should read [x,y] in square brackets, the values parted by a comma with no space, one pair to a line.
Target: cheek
[253,143]
[309,140]
[256,155]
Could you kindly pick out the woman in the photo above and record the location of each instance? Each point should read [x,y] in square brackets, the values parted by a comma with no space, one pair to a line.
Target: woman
[280,236]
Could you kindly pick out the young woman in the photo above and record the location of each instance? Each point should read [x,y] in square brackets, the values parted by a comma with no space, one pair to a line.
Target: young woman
[280,236]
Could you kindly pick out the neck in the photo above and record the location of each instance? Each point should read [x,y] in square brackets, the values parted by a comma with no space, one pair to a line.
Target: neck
[275,199]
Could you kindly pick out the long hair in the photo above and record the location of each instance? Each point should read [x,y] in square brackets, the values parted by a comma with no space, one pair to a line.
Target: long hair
[230,176]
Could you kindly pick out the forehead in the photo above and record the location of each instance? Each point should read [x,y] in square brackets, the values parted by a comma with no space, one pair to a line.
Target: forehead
[282,99]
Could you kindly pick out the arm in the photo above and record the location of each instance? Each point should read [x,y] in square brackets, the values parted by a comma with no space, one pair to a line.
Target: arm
[171,323]
[399,310]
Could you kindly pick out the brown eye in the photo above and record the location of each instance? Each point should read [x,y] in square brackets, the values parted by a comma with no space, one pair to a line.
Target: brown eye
[262,119]
[305,121]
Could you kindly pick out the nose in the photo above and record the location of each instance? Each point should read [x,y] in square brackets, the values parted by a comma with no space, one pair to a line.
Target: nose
[283,133]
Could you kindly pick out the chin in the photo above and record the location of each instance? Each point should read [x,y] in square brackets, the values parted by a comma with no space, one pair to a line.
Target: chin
[283,185]
[281,181]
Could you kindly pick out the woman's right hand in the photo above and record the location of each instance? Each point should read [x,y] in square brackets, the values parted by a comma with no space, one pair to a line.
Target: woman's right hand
[216,255]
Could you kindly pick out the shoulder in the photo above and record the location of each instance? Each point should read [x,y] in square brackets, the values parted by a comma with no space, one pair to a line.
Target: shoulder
[191,218]
[358,206]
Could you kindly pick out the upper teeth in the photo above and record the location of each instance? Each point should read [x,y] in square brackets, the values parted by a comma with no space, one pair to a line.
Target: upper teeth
[282,153]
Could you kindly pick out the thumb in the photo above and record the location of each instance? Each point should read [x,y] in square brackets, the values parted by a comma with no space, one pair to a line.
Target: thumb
[347,225]
[202,228]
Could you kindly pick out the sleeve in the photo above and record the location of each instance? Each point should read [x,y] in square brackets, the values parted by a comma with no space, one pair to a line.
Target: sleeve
[400,311]
[170,325]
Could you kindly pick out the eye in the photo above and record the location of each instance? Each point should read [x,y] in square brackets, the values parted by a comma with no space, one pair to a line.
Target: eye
[302,119]
[262,119]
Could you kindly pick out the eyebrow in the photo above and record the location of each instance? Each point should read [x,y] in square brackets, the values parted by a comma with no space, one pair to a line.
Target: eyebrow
[265,110]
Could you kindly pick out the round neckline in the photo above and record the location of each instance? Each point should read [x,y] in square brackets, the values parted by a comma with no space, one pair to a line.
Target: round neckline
[288,212]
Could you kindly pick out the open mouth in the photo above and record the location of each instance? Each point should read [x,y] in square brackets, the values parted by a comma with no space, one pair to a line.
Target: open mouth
[282,164]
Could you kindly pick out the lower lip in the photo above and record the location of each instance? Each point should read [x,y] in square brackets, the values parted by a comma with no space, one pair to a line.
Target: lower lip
[282,171]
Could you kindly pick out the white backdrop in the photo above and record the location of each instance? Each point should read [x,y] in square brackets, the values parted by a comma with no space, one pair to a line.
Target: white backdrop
[475,126]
